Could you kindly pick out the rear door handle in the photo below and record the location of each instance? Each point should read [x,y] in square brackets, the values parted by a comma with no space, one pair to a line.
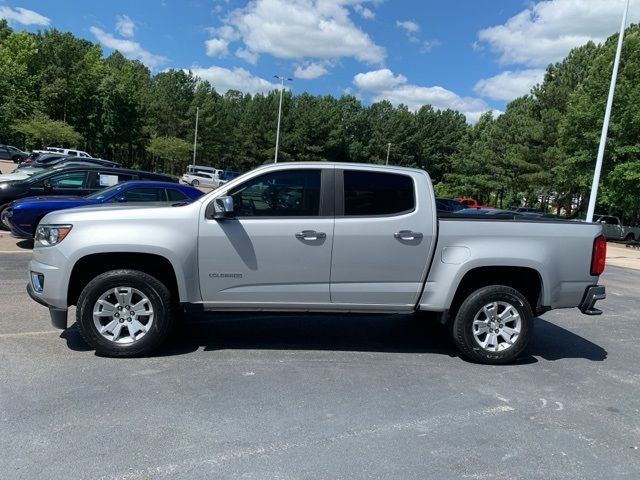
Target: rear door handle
[407,235]
[310,235]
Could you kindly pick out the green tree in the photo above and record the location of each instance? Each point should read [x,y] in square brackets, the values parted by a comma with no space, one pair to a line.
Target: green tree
[174,151]
[40,130]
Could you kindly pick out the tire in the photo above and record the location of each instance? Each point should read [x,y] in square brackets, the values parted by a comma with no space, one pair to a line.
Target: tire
[195,183]
[629,238]
[3,226]
[133,287]
[490,347]
[17,159]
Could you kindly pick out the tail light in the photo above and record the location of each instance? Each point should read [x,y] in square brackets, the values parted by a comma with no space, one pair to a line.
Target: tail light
[599,255]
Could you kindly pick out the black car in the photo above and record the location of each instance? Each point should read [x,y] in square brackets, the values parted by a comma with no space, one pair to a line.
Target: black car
[43,160]
[448,205]
[7,152]
[80,181]
[76,161]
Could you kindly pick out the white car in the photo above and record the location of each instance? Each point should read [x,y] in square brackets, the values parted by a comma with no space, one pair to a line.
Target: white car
[203,179]
[67,151]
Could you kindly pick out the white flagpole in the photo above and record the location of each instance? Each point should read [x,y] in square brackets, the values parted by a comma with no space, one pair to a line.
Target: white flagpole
[605,124]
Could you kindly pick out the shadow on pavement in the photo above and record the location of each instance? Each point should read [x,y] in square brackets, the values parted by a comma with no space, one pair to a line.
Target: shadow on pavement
[26,244]
[358,333]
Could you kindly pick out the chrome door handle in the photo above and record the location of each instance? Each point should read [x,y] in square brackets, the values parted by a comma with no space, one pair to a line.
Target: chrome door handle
[310,235]
[407,235]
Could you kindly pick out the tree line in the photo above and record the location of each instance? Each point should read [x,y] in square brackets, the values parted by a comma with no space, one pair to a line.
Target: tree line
[59,89]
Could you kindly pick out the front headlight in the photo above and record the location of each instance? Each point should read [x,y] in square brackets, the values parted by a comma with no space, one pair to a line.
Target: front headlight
[48,235]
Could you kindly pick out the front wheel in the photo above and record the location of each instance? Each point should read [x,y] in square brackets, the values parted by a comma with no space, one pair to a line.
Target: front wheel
[629,238]
[493,325]
[124,313]
[17,159]
[4,224]
[195,183]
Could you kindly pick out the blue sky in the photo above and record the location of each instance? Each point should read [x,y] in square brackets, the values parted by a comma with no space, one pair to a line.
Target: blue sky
[469,55]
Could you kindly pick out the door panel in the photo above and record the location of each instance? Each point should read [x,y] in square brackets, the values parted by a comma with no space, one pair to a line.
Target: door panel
[277,252]
[382,260]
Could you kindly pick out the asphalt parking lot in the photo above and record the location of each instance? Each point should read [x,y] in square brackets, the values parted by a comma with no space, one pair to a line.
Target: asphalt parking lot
[284,397]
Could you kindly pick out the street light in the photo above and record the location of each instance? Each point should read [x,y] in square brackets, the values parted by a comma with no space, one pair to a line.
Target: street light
[605,124]
[282,80]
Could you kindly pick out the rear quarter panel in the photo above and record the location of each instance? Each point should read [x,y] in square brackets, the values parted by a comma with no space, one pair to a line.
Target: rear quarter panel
[559,251]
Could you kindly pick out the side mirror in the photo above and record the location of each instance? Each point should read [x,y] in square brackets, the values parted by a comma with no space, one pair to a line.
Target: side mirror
[47,187]
[223,207]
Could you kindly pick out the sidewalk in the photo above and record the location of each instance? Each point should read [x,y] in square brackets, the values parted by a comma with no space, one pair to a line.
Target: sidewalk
[623,256]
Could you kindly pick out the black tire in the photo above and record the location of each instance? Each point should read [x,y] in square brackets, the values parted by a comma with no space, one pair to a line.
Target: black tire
[156,292]
[17,159]
[195,183]
[462,328]
[629,238]
[2,225]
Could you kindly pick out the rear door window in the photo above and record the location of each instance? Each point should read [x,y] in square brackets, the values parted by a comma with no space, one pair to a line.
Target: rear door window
[377,193]
[144,194]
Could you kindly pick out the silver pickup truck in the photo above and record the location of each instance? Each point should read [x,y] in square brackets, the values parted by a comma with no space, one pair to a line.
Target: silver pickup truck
[312,237]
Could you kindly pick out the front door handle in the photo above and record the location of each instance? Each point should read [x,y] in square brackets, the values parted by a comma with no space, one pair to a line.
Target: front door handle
[407,235]
[310,235]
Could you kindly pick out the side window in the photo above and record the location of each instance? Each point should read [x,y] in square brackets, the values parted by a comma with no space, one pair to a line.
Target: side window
[68,180]
[72,153]
[175,195]
[144,194]
[279,194]
[376,193]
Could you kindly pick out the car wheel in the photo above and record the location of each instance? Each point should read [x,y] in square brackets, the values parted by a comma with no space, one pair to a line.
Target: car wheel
[4,225]
[493,325]
[17,159]
[125,313]
[629,238]
[195,183]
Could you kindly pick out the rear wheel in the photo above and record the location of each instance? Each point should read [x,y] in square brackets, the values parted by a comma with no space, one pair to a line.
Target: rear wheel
[629,238]
[195,183]
[493,325]
[125,313]
[17,159]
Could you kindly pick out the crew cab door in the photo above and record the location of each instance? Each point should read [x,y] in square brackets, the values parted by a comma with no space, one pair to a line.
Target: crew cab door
[383,238]
[276,252]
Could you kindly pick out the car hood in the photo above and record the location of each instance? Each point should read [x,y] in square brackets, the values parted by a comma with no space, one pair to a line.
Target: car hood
[52,201]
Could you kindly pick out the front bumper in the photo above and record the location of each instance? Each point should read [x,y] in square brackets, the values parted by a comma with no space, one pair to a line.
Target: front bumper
[591,295]
[58,315]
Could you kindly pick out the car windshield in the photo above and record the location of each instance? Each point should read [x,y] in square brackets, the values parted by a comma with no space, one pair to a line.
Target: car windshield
[107,192]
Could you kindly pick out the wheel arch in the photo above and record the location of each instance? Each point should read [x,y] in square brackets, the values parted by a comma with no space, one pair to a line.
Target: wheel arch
[92,265]
[525,280]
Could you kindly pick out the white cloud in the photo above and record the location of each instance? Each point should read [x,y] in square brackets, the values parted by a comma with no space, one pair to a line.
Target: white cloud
[384,85]
[310,71]
[216,47]
[300,29]
[546,31]
[377,80]
[429,45]
[247,55]
[364,12]
[224,79]
[508,85]
[125,26]
[409,26]
[128,48]
[23,16]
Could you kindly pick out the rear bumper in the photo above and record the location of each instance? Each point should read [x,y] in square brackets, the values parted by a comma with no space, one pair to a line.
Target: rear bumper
[58,315]
[591,295]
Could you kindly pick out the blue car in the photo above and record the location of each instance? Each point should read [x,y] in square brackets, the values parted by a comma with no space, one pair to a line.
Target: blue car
[24,215]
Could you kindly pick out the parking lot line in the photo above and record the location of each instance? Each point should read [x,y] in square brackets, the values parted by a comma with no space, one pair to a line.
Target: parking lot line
[22,334]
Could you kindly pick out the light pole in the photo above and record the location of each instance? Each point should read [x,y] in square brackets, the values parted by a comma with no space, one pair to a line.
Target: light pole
[605,124]
[388,151]
[282,80]
[195,136]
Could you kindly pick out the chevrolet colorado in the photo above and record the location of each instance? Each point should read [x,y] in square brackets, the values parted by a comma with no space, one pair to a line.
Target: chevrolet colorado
[325,237]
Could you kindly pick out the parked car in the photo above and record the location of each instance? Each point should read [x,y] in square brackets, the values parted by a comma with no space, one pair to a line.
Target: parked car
[62,162]
[202,178]
[470,202]
[613,229]
[488,211]
[42,160]
[69,181]
[448,205]
[68,151]
[24,215]
[356,237]
[7,152]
